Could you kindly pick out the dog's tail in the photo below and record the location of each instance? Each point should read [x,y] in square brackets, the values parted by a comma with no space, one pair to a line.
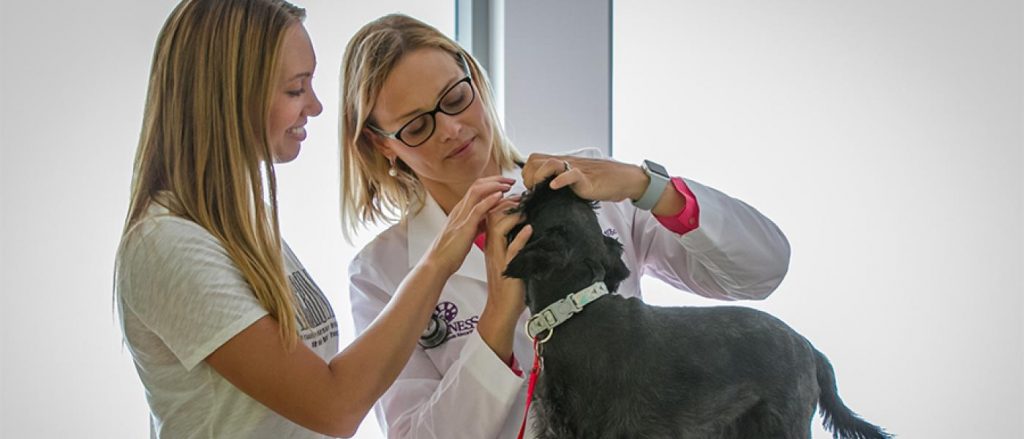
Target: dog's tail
[837,417]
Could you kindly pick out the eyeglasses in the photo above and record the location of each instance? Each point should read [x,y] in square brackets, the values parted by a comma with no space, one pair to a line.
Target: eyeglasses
[417,131]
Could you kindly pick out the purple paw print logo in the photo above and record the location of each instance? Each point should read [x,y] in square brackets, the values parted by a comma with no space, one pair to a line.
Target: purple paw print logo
[447,311]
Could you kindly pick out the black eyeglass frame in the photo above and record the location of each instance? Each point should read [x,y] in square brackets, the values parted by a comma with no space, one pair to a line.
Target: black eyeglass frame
[397,135]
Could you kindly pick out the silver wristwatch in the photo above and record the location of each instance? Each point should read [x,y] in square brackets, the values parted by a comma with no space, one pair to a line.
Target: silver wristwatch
[659,180]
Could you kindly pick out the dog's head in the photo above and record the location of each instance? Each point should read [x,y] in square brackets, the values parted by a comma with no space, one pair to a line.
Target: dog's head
[567,252]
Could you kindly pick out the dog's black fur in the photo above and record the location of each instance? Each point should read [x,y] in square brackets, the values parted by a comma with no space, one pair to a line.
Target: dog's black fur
[625,369]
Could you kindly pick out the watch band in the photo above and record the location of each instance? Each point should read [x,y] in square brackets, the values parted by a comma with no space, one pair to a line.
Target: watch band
[659,181]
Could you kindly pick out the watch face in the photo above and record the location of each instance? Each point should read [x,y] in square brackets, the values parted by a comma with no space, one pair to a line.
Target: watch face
[656,168]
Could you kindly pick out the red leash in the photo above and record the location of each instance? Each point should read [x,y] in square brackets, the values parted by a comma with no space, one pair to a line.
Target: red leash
[534,372]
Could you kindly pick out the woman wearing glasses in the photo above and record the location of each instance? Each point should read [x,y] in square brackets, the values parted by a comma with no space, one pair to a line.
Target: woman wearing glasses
[418,129]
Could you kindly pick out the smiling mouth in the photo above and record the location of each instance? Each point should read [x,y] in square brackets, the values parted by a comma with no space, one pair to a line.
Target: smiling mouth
[462,148]
[297,132]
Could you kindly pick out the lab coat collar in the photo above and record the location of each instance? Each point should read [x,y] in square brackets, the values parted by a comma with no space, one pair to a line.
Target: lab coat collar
[428,222]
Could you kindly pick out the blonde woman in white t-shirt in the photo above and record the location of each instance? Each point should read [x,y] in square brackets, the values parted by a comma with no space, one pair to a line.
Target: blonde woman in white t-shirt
[230,336]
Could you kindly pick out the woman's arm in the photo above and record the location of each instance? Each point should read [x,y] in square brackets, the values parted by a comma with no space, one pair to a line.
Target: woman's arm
[735,253]
[334,397]
[331,398]
[469,394]
[505,297]
[472,396]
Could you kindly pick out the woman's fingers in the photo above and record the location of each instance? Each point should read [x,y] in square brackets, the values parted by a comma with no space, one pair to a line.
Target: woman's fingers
[481,197]
[470,211]
[592,179]
[478,212]
[539,167]
[486,186]
[500,220]
[468,218]
[482,189]
[533,162]
[504,206]
[552,167]
[567,178]
[519,242]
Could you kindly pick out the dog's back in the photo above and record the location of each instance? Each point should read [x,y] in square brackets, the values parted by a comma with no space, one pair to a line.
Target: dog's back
[626,369]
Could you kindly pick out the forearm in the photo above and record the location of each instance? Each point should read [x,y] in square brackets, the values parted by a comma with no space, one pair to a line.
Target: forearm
[368,366]
[497,329]
[505,302]
[736,253]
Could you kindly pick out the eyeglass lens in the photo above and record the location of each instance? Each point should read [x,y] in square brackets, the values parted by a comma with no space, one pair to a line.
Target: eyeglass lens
[455,101]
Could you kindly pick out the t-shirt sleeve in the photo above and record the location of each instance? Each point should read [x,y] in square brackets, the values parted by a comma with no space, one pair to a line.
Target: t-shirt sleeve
[181,283]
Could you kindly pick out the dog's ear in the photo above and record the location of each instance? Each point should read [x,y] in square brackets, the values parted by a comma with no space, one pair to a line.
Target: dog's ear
[615,270]
[540,257]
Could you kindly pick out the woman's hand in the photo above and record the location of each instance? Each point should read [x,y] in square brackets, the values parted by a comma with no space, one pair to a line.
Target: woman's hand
[505,296]
[498,252]
[592,179]
[465,222]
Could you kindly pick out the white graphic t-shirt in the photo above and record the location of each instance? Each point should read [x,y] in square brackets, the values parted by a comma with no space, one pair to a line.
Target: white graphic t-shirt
[181,297]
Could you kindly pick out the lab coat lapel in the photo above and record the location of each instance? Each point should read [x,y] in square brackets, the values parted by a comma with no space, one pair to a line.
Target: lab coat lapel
[425,225]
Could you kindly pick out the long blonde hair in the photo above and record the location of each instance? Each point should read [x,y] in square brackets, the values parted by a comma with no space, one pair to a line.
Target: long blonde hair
[204,136]
[368,193]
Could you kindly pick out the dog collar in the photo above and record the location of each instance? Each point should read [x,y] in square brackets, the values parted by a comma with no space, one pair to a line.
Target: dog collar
[560,311]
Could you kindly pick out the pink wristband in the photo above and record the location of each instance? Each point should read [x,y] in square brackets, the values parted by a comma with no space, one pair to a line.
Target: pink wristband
[689,218]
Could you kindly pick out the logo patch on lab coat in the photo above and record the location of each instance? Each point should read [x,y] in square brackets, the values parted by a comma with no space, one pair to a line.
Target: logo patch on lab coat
[449,312]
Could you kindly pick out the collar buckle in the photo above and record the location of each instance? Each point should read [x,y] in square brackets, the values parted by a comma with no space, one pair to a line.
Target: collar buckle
[559,312]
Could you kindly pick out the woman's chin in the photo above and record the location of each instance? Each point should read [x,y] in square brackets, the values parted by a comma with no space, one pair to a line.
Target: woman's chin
[287,154]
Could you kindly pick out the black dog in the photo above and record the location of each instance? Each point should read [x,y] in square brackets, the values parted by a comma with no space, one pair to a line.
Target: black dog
[624,369]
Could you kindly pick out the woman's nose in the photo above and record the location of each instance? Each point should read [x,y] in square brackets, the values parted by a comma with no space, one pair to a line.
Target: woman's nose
[448,126]
[315,107]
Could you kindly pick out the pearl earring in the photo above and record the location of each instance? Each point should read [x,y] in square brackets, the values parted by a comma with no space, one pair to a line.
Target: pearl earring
[393,171]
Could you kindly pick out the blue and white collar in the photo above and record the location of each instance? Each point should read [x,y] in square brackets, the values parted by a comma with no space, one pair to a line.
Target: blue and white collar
[560,311]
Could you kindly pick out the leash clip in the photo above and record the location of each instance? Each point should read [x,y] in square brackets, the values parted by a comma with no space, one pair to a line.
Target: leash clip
[536,337]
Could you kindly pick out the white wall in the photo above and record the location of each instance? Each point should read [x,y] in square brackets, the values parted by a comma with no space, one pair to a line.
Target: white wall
[72,85]
[885,139]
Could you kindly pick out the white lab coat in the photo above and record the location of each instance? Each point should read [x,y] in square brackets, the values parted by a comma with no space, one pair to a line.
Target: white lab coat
[461,389]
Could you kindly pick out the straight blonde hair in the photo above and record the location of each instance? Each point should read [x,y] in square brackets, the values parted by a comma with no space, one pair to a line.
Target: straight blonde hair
[203,152]
[368,194]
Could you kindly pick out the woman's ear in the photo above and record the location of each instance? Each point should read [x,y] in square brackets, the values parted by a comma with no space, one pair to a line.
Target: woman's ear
[380,144]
